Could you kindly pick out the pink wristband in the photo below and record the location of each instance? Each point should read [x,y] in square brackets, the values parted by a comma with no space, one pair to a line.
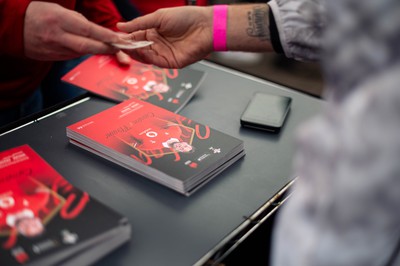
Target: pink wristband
[219,27]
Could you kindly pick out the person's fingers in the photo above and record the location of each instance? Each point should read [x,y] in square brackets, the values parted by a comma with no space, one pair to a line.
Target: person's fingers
[123,36]
[83,45]
[141,23]
[138,35]
[123,58]
[79,25]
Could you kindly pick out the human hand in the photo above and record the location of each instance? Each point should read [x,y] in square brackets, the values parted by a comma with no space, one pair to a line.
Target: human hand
[53,32]
[181,36]
[123,58]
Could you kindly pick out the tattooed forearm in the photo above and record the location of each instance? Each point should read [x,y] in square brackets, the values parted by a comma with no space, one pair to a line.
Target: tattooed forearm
[258,23]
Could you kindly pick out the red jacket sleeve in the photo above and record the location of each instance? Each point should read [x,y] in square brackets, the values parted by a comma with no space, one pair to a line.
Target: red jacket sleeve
[12,16]
[146,7]
[102,12]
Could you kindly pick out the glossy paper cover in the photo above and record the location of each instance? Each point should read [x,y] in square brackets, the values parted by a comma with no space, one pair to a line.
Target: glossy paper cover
[43,218]
[167,88]
[152,140]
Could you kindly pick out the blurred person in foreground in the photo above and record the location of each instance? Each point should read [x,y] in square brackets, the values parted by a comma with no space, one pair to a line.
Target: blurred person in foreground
[344,207]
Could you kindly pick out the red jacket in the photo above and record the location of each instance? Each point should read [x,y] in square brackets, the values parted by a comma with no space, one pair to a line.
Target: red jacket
[19,75]
[146,7]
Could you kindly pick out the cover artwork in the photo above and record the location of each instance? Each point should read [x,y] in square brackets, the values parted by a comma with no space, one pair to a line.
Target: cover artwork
[145,136]
[41,213]
[167,88]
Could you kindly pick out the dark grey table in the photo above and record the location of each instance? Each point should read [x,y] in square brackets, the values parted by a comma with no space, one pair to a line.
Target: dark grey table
[168,228]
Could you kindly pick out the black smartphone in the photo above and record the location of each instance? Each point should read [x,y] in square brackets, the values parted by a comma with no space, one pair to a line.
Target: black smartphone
[266,111]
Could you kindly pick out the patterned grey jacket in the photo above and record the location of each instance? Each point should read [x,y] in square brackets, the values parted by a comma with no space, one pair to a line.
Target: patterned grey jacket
[345,207]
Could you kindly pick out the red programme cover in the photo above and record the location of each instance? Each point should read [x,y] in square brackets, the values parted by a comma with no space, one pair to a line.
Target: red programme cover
[163,146]
[44,219]
[167,88]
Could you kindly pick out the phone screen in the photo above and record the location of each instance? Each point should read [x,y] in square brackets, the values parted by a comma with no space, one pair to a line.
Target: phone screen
[266,111]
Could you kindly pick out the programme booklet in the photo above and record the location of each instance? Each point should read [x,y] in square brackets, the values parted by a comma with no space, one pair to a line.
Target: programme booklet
[167,88]
[45,220]
[165,147]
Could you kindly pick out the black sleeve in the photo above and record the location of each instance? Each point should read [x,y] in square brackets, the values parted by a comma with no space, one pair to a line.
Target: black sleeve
[275,41]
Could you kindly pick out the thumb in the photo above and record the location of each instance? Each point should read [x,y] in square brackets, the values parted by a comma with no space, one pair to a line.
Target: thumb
[123,58]
[142,23]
